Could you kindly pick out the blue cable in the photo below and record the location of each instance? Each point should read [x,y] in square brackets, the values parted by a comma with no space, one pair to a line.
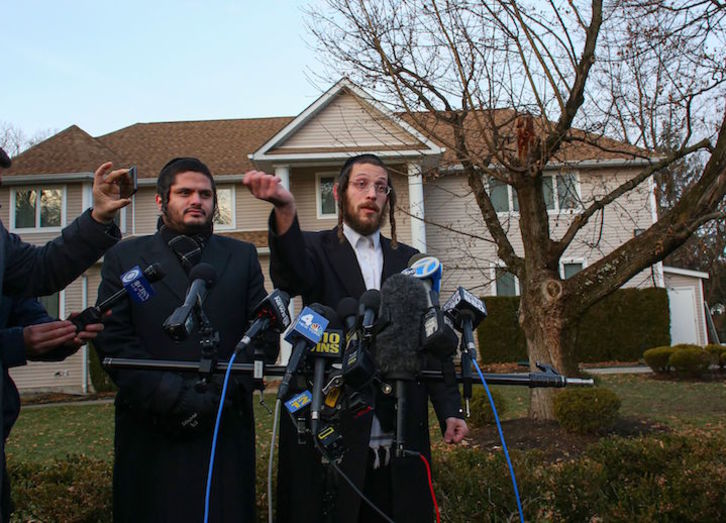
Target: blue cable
[501,437]
[214,437]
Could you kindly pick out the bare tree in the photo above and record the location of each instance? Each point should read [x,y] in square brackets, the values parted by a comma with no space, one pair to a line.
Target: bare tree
[513,87]
[14,140]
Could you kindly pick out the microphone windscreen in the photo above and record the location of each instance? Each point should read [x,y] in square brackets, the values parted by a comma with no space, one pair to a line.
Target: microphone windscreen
[370,299]
[326,312]
[347,307]
[203,271]
[403,304]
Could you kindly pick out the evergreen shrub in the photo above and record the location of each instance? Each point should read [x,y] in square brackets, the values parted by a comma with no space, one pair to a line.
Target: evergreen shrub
[481,409]
[657,358]
[586,410]
[691,361]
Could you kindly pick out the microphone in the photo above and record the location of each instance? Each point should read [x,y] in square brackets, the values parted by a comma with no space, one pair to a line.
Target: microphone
[305,332]
[368,305]
[347,309]
[403,303]
[137,284]
[439,337]
[358,366]
[270,313]
[182,321]
[466,311]
[326,349]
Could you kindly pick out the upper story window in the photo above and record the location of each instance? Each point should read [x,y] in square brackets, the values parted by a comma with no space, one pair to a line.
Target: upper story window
[326,205]
[37,208]
[226,205]
[560,194]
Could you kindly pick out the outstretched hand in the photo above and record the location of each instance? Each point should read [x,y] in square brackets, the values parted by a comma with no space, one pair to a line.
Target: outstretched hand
[269,188]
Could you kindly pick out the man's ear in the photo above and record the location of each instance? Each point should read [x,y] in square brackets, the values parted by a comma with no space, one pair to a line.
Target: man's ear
[335,192]
[158,201]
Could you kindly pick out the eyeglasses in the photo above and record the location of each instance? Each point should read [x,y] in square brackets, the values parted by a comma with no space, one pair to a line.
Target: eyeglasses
[363,186]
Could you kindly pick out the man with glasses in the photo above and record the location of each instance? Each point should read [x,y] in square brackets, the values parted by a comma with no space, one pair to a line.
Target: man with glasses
[325,267]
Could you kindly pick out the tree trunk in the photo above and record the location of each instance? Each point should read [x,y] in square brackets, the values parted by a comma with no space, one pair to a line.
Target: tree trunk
[550,336]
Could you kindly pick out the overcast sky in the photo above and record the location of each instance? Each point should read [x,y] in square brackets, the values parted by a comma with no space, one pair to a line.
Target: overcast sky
[105,65]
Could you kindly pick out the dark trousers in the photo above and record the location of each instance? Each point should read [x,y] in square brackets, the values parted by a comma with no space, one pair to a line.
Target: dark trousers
[378,488]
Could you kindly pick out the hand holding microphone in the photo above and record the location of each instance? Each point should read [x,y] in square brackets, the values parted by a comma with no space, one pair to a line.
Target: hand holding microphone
[137,284]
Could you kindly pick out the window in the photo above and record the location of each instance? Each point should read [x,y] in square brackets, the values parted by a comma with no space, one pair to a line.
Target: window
[225,203]
[506,283]
[569,269]
[51,304]
[326,204]
[503,196]
[560,194]
[37,208]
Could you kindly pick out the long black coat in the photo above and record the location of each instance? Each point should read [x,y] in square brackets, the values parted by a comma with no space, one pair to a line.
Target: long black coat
[28,270]
[322,269]
[160,475]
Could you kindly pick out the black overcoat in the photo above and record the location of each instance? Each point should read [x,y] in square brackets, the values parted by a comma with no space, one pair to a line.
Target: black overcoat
[29,270]
[323,270]
[159,474]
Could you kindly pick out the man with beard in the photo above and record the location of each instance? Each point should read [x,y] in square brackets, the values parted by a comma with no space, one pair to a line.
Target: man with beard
[165,420]
[325,267]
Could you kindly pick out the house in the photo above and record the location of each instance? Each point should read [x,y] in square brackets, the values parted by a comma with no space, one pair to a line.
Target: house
[50,184]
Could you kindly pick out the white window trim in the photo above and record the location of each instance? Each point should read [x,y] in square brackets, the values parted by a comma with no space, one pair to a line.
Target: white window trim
[87,203]
[578,190]
[319,200]
[233,203]
[493,275]
[564,261]
[510,196]
[38,188]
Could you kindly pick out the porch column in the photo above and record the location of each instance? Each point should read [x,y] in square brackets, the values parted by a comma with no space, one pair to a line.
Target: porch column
[416,206]
[283,172]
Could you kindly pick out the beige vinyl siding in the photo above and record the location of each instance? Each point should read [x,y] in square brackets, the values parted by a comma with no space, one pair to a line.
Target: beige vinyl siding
[348,121]
[250,213]
[469,255]
[145,210]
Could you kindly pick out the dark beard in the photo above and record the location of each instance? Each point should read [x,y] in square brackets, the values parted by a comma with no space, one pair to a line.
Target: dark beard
[365,229]
[205,228]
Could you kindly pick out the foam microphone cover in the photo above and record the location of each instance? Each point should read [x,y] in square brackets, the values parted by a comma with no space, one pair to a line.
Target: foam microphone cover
[203,271]
[403,304]
[347,311]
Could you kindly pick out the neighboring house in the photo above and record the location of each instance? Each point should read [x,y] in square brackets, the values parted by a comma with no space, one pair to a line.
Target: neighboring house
[50,184]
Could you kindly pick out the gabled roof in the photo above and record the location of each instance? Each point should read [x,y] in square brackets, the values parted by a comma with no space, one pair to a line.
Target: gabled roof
[343,121]
[223,145]
[72,150]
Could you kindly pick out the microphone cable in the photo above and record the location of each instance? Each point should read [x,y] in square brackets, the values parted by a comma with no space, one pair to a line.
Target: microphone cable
[429,478]
[349,481]
[501,437]
[275,419]
[214,436]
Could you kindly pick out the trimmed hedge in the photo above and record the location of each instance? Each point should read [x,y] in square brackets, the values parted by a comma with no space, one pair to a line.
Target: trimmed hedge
[691,361]
[717,352]
[586,411]
[657,358]
[665,479]
[670,478]
[481,409]
[618,328]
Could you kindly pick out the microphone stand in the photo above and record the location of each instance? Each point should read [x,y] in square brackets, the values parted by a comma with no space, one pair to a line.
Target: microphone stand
[548,377]
[209,344]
